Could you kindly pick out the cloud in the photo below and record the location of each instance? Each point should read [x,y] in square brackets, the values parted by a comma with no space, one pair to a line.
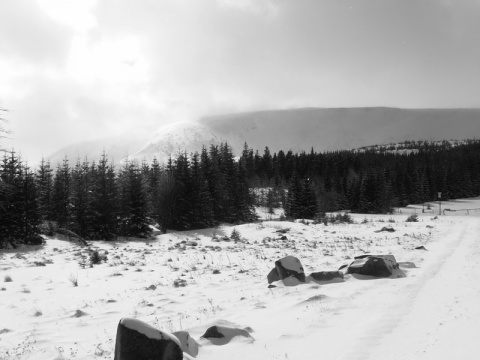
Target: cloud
[75,70]
[28,35]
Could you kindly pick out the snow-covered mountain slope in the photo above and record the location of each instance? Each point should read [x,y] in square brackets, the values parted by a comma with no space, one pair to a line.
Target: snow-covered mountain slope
[294,129]
[177,137]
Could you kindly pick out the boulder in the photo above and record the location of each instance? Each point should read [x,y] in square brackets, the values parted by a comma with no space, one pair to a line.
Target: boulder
[221,335]
[290,270]
[376,265]
[273,276]
[137,340]
[188,344]
[326,277]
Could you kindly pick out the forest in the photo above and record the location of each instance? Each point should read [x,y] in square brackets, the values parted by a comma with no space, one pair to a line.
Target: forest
[100,200]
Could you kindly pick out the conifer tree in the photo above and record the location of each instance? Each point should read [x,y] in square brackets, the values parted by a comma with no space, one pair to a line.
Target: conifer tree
[105,201]
[82,200]
[62,188]
[44,184]
[133,202]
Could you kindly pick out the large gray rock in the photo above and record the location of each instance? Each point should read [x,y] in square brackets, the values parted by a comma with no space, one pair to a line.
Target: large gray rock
[290,270]
[382,266]
[137,340]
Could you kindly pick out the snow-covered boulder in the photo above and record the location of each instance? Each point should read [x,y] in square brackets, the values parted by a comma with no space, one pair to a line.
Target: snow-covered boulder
[189,345]
[325,277]
[290,270]
[376,265]
[137,340]
[221,335]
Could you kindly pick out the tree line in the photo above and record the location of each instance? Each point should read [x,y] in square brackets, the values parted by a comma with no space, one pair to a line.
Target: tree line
[369,181]
[97,200]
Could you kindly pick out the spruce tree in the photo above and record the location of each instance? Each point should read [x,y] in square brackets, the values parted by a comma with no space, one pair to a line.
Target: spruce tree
[44,184]
[105,201]
[133,202]
[82,200]
[62,189]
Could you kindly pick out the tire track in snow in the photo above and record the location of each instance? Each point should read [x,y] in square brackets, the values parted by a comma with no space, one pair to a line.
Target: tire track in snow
[399,319]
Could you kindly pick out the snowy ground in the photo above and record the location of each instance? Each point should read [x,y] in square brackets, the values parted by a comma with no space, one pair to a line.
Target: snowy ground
[433,313]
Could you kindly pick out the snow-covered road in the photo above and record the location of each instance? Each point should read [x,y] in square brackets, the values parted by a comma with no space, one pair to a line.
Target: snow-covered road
[442,320]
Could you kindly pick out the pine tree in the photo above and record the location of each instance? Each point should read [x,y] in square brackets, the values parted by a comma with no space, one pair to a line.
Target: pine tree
[30,219]
[133,202]
[44,184]
[19,218]
[11,209]
[82,200]
[202,203]
[105,204]
[62,188]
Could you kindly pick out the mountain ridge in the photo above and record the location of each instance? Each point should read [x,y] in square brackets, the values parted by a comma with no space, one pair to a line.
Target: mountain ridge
[300,129]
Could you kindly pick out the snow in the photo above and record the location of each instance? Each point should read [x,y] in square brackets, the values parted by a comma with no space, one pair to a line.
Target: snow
[432,313]
[148,330]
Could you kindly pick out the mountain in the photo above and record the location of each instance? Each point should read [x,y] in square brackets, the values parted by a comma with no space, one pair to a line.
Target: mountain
[322,129]
[343,128]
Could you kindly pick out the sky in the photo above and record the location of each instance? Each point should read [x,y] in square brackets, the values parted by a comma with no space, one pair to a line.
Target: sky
[75,70]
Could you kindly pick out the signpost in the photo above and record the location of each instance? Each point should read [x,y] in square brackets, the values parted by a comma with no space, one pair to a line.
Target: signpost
[440,203]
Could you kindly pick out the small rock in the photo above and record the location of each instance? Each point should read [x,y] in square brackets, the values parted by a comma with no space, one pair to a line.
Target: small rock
[221,335]
[326,276]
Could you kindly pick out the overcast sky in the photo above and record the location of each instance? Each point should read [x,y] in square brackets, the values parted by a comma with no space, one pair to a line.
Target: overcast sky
[75,70]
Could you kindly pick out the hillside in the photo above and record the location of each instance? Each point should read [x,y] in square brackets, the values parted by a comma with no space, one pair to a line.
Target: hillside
[294,129]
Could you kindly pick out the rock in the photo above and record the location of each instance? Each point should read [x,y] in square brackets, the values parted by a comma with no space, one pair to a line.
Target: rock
[79,313]
[180,283]
[273,276]
[221,335]
[290,270]
[188,344]
[326,276]
[388,229]
[421,248]
[376,265]
[137,340]
[284,237]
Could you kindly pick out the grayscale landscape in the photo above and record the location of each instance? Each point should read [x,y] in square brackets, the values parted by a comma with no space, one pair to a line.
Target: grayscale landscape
[239,179]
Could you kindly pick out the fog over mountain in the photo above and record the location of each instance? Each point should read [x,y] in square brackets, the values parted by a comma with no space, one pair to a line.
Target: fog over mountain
[294,129]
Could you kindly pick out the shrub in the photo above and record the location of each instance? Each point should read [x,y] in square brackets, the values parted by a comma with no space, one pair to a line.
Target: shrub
[235,235]
[73,279]
[412,218]
[97,258]
[334,219]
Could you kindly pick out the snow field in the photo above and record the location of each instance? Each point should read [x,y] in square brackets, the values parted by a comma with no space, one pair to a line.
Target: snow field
[173,284]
